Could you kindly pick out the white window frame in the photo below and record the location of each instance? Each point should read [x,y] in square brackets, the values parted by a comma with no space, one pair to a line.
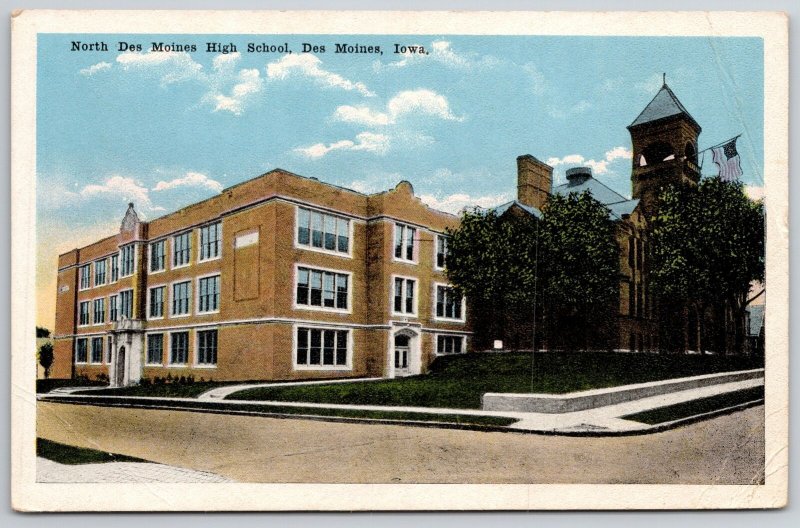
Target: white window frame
[135,258]
[104,311]
[95,275]
[348,364]
[111,279]
[414,243]
[196,363]
[172,250]
[119,305]
[310,246]
[82,267]
[89,311]
[164,349]
[200,242]
[298,306]
[109,348]
[116,297]
[416,295]
[90,350]
[197,296]
[435,300]
[78,340]
[446,334]
[151,271]
[170,364]
[436,251]
[165,302]
[172,294]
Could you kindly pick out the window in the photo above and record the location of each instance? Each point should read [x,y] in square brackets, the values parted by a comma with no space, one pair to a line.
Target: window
[404,296]
[114,268]
[97,350]
[157,251]
[81,351]
[156,304]
[441,251]
[404,242]
[83,318]
[99,311]
[210,237]
[100,272]
[181,249]
[181,292]
[448,303]
[179,348]
[128,265]
[109,349]
[207,347]
[85,273]
[325,289]
[323,231]
[208,294]
[113,308]
[155,349]
[126,304]
[321,347]
[448,344]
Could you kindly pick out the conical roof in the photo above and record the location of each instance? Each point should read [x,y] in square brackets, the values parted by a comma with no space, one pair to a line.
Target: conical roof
[663,105]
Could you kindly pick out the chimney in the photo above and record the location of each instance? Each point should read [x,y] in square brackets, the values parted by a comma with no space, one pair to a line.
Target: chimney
[534,181]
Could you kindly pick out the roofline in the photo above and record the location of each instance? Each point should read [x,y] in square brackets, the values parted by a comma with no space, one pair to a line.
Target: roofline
[683,109]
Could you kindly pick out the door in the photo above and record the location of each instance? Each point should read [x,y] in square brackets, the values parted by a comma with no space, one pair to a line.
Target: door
[119,374]
[401,351]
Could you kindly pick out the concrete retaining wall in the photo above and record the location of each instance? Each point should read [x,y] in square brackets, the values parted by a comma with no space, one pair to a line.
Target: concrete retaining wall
[591,399]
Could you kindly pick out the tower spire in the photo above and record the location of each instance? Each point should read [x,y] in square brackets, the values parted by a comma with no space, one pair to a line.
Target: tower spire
[664,77]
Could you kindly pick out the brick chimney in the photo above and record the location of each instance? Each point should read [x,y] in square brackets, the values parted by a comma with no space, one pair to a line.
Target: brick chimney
[534,181]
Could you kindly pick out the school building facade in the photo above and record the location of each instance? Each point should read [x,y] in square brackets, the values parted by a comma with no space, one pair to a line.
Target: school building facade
[279,277]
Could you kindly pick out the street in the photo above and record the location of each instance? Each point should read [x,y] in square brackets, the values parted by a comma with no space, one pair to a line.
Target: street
[725,450]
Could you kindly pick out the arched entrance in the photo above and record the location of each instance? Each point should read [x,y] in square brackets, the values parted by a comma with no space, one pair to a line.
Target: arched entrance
[405,358]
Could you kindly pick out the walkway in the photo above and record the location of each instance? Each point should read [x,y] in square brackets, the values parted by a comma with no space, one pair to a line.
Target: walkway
[221,393]
[127,472]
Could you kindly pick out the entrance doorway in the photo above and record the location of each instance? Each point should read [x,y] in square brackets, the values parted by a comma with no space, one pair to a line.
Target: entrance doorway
[119,374]
[401,353]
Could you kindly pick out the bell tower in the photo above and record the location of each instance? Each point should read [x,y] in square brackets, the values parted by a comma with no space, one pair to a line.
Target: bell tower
[664,138]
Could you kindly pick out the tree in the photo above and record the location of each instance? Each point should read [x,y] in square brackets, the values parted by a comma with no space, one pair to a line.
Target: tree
[42,332]
[46,358]
[579,263]
[708,247]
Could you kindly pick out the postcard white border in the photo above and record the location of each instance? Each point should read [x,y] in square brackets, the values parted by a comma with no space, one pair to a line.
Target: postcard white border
[31,496]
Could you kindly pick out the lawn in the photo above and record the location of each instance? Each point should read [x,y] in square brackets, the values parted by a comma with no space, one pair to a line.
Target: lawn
[66,454]
[460,381]
[693,408]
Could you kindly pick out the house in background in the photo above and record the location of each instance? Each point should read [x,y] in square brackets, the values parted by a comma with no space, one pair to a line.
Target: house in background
[279,277]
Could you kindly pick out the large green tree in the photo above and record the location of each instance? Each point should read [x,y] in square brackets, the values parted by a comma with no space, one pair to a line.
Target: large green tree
[707,250]
[516,269]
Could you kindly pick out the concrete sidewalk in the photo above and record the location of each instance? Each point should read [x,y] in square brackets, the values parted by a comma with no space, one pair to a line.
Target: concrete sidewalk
[221,393]
[602,419]
[119,472]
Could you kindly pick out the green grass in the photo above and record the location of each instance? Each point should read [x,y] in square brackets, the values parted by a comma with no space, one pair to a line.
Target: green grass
[306,411]
[66,454]
[460,381]
[693,408]
[46,385]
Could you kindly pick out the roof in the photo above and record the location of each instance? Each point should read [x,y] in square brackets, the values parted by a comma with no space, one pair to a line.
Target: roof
[663,105]
[500,210]
[616,203]
[756,319]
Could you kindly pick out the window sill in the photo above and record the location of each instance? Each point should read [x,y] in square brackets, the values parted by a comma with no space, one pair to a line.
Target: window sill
[205,367]
[342,311]
[323,367]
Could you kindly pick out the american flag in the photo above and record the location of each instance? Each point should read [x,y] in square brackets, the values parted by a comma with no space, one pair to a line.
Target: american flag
[727,159]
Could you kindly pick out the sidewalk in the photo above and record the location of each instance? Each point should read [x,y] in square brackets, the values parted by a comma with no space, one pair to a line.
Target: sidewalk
[602,419]
[222,392]
[119,472]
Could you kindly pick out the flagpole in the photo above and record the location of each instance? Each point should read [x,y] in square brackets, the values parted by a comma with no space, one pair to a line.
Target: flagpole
[720,144]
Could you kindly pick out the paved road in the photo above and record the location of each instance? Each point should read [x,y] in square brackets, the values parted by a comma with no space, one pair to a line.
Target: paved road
[724,450]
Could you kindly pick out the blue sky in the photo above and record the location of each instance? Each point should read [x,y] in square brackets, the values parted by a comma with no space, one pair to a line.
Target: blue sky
[167,129]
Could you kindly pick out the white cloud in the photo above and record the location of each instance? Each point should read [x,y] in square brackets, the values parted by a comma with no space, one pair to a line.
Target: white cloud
[652,84]
[170,66]
[563,113]
[538,81]
[754,192]
[123,188]
[308,65]
[407,102]
[454,203]
[598,166]
[191,179]
[440,51]
[95,68]
[226,61]
[249,83]
[365,141]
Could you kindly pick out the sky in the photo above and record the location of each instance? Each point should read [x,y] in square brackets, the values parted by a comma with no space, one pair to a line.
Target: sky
[166,129]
